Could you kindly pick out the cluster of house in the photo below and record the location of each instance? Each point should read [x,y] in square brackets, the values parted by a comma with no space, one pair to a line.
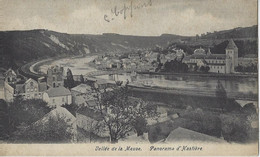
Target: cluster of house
[149,60]
[52,91]
[137,61]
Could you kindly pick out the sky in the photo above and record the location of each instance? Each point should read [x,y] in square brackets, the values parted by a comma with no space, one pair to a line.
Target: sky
[131,17]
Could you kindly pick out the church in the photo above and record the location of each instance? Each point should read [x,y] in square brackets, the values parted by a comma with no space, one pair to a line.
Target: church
[217,63]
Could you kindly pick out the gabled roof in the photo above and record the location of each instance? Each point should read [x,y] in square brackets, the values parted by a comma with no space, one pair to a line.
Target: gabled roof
[19,87]
[82,88]
[10,71]
[91,103]
[86,111]
[30,79]
[59,112]
[182,134]
[59,91]
[231,44]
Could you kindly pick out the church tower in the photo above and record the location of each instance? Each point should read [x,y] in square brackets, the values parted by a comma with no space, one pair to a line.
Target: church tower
[55,77]
[232,53]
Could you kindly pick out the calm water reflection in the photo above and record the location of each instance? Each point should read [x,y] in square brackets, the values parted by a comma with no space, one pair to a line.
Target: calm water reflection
[237,85]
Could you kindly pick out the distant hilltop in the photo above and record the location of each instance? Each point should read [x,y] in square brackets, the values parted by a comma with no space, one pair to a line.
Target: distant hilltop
[20,47]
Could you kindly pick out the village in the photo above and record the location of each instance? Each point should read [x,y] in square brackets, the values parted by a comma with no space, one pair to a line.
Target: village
[129,78]
[78,100]
[200,61]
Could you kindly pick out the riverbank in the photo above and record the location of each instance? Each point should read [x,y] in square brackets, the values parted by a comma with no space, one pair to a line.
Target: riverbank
[215,75]
[190,92]
[202,75]
[32,69]
[176,99]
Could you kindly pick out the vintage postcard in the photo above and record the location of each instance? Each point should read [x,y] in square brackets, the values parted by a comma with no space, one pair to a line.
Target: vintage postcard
[129,77]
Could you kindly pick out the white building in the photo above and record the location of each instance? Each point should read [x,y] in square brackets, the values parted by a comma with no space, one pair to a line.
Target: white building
[82,95]
[57,96]
[30,89]
[218,63]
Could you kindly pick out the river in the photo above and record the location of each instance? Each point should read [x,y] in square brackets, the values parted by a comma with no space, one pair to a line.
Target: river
[246,86]
[78,65]
[235,86]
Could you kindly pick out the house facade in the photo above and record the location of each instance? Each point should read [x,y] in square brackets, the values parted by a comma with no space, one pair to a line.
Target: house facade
[29,89]
[57,96]
[10,76]
[218,63]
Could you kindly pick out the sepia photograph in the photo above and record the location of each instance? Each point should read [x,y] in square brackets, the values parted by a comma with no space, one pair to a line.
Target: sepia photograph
[129,77]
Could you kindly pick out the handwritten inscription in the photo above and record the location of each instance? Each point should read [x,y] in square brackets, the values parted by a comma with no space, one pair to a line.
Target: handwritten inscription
[125,11]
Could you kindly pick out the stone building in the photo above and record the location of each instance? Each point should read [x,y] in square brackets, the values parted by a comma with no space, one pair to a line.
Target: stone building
[29,89]
[57,96]
[55,77]
[218,63]
[10,76]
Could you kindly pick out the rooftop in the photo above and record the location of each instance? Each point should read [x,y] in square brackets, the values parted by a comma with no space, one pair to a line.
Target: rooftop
[200,51]
[211,56]
[82,88]
[59,112]
[231,45]
[182,134]
[90,113]
[59,91]
[9,71]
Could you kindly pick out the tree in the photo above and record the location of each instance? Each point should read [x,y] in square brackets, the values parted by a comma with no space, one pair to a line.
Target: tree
[25,111]
[121,113]
[221,95]
[249,109]
[235,128]
[203,121]
[53,131]
[175,66]
[72,108]
[95,127]
[70,79]
[239,68]
[81,79]
[196,68]
[207,69]
[202,69]
[140,124]
[4,120]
